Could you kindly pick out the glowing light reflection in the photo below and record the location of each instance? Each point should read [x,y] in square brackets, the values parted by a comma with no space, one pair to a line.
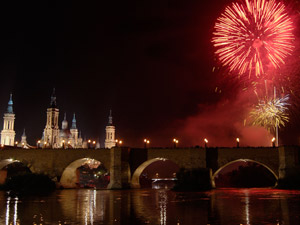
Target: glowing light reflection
[163,200]
[7,211]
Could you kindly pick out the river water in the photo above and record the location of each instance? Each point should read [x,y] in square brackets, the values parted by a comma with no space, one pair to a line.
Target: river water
[148,206]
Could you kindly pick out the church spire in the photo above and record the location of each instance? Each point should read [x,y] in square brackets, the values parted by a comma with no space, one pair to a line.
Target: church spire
[10,105]
[53,99]
[24,134]
[64,125]
[73,122]
[110,123]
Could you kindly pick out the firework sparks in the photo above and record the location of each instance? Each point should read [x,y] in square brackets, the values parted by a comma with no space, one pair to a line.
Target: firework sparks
[253,37]
[271,114]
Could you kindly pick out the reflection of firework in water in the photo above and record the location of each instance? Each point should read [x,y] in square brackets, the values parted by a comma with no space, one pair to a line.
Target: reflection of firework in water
[271,114]
[254,36]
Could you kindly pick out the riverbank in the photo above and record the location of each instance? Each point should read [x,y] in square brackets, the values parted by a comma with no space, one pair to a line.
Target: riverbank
[28,184]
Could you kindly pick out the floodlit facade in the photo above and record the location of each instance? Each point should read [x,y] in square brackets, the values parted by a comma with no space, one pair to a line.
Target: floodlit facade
[8,133]
[53,137]
[110,129]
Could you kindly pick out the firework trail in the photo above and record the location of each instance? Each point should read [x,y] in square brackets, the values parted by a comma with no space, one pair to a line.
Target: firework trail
[254,37]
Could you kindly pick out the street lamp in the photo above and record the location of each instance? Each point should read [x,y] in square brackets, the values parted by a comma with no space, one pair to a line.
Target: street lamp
[146,143]
[118,142]
[237,142]
[94,144]
[175,141]
[89,143]
[63,144]
[16,144]
[273,142]
[205,142]
[38,143]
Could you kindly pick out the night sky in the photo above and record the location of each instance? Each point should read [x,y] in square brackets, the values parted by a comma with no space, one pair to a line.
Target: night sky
[150,62]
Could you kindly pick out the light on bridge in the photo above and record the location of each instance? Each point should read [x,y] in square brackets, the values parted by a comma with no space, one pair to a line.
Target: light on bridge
[237,142]
[273,141]
[38,144]
[175,141]
[146,143]
[205,142]
[118,142]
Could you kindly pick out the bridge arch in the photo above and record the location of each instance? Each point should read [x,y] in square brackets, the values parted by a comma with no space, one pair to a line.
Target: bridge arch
[135,180]
[69,177]
[6,162]
[245,160]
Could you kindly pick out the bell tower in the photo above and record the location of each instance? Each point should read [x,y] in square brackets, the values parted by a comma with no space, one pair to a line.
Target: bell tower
[110,133]
[74,132]
[8,133]
[51,131]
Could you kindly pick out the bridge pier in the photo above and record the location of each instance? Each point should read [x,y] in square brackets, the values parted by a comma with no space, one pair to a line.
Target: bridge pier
[119,168]
[289,166]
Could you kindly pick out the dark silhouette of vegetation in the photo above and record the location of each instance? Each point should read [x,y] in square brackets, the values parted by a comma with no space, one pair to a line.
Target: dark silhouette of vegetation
[29,184]
[249,176]
[193,180]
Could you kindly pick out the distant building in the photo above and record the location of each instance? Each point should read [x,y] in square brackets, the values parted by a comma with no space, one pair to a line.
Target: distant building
[8,133]
[68,138]
[23,143]
[53,137]
[110,133]
[51,131]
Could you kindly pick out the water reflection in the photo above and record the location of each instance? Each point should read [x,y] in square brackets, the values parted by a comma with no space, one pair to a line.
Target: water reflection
[88,206]
[163,200]
[247,207]
[158,207]
[11,216]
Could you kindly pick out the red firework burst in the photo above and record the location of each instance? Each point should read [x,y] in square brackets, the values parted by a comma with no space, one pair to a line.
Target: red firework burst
[254,37]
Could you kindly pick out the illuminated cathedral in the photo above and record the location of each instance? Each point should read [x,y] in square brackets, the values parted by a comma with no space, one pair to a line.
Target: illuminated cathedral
[53,136]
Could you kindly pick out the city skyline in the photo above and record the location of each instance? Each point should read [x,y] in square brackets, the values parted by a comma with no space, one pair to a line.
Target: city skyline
[152,63]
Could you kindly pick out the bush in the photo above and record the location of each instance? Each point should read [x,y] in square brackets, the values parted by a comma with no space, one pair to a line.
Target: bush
[193,180]
[29,184]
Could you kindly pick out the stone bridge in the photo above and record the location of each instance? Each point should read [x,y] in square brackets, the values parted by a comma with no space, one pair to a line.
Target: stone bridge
[126,165]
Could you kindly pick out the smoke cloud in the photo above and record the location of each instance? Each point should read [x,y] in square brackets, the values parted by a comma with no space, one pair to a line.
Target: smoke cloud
[222,123]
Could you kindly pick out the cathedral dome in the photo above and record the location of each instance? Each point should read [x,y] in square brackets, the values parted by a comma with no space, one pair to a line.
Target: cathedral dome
[66,134]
